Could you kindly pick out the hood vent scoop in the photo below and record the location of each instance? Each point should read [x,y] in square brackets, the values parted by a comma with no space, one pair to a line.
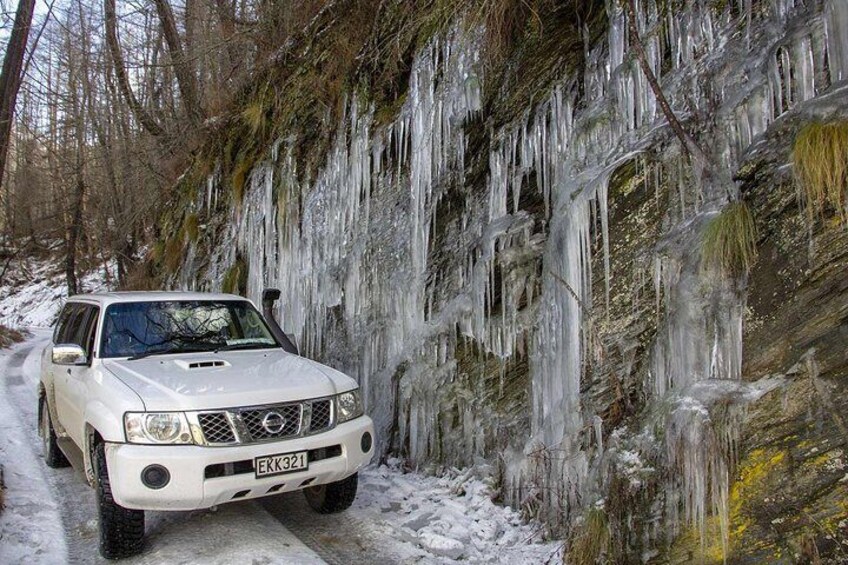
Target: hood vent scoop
[203,364]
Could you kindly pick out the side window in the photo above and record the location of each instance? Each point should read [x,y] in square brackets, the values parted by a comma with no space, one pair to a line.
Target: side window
[62,323]
[72,330]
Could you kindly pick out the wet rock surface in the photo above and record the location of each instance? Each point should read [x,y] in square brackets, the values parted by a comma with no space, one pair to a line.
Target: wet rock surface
[514,275]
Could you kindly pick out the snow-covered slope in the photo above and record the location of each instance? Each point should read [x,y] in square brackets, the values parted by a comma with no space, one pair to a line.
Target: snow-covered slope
[34,290]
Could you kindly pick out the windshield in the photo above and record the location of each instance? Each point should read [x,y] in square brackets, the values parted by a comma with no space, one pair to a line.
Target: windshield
[138,329]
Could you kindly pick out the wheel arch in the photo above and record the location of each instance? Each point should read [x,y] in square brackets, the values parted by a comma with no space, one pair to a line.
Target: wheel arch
[48,399]
[101,426]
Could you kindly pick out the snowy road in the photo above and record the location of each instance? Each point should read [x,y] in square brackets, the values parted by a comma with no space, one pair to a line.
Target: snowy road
[397,518]
[57,521]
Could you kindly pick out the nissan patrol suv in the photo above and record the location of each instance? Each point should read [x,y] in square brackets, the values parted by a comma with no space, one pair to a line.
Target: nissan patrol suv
[183,401]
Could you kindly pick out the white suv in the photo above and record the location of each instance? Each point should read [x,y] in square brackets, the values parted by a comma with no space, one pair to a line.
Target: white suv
[181,401]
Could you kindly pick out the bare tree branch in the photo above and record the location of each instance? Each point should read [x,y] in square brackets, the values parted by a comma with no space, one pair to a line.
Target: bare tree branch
[186,79]
[145,119]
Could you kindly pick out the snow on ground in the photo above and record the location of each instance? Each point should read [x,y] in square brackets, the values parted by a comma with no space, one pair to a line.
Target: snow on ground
[451,518]
[50,516]
[397,518]
[31,525]
[34,291]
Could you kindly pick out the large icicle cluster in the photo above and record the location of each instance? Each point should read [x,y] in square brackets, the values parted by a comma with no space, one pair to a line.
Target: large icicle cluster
[351,248]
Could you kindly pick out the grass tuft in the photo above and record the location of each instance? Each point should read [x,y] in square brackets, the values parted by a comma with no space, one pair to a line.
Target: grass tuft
[239,178]
[255,115]
[820,160]
[729,243]
[591,540]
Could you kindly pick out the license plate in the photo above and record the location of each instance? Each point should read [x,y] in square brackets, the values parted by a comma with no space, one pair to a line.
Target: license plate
[280,464]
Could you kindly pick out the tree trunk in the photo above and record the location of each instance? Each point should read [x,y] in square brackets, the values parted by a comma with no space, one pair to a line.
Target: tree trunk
[186,79]
[226,22]
[10,79]
[74,231]
[145,119]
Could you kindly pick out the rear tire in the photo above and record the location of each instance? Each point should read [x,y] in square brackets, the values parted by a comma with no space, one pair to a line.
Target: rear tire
[332,497]
[53,456]
[121,529]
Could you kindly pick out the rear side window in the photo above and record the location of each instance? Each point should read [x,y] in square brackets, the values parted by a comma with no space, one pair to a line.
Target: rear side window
[88,330]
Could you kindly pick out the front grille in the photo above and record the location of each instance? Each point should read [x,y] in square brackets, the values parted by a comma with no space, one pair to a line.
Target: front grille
[265,423]
[255,421]
[216,427]
[321,415]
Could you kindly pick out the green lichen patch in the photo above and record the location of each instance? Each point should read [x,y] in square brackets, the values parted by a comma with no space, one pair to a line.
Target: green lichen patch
[235,279]
[191,227]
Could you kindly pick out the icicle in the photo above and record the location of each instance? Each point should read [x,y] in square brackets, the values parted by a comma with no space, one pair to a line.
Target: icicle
[836,30]
[357,278]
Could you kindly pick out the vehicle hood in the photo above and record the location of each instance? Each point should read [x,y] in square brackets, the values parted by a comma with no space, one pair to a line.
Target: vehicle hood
[203,381]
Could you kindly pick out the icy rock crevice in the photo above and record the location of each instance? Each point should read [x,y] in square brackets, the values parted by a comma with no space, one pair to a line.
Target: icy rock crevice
[352,249]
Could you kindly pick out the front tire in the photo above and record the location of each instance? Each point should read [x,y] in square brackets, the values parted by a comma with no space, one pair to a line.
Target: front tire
[53,456]
[121,529]
[332,497]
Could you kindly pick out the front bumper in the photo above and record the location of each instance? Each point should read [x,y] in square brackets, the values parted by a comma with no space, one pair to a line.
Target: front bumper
[192,468]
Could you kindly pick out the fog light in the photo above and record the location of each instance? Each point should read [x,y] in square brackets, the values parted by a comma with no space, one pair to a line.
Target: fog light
[366,442]
[155,476]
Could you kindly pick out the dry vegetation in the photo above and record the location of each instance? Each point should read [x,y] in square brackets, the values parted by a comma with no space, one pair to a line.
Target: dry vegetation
[820,159]
[10,336]
[591,539]
[730,240]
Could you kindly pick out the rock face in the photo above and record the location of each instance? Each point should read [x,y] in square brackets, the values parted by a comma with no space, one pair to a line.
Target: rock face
[508,257]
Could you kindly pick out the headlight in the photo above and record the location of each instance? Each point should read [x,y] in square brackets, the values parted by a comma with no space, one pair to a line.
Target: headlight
[349,405]
[157,427]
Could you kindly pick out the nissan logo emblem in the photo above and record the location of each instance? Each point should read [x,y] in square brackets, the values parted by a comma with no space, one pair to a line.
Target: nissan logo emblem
[273,422]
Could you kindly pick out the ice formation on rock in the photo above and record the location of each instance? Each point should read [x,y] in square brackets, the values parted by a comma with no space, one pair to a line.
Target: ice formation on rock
[351,248]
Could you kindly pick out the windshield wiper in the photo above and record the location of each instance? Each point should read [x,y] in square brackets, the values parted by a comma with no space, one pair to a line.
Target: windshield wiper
[166,350]
[254,345]
[149,352]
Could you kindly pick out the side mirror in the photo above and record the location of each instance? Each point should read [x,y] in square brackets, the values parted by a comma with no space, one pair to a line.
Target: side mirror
[69,354]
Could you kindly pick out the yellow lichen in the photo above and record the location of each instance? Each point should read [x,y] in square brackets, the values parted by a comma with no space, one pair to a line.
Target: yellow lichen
[753,480]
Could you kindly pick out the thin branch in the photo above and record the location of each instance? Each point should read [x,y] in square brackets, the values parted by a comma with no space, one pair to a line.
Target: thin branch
[690,146]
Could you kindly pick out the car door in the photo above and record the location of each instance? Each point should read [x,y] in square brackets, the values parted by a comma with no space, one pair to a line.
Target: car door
[79,376]
[68,320]
[50,369]
[66,377]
